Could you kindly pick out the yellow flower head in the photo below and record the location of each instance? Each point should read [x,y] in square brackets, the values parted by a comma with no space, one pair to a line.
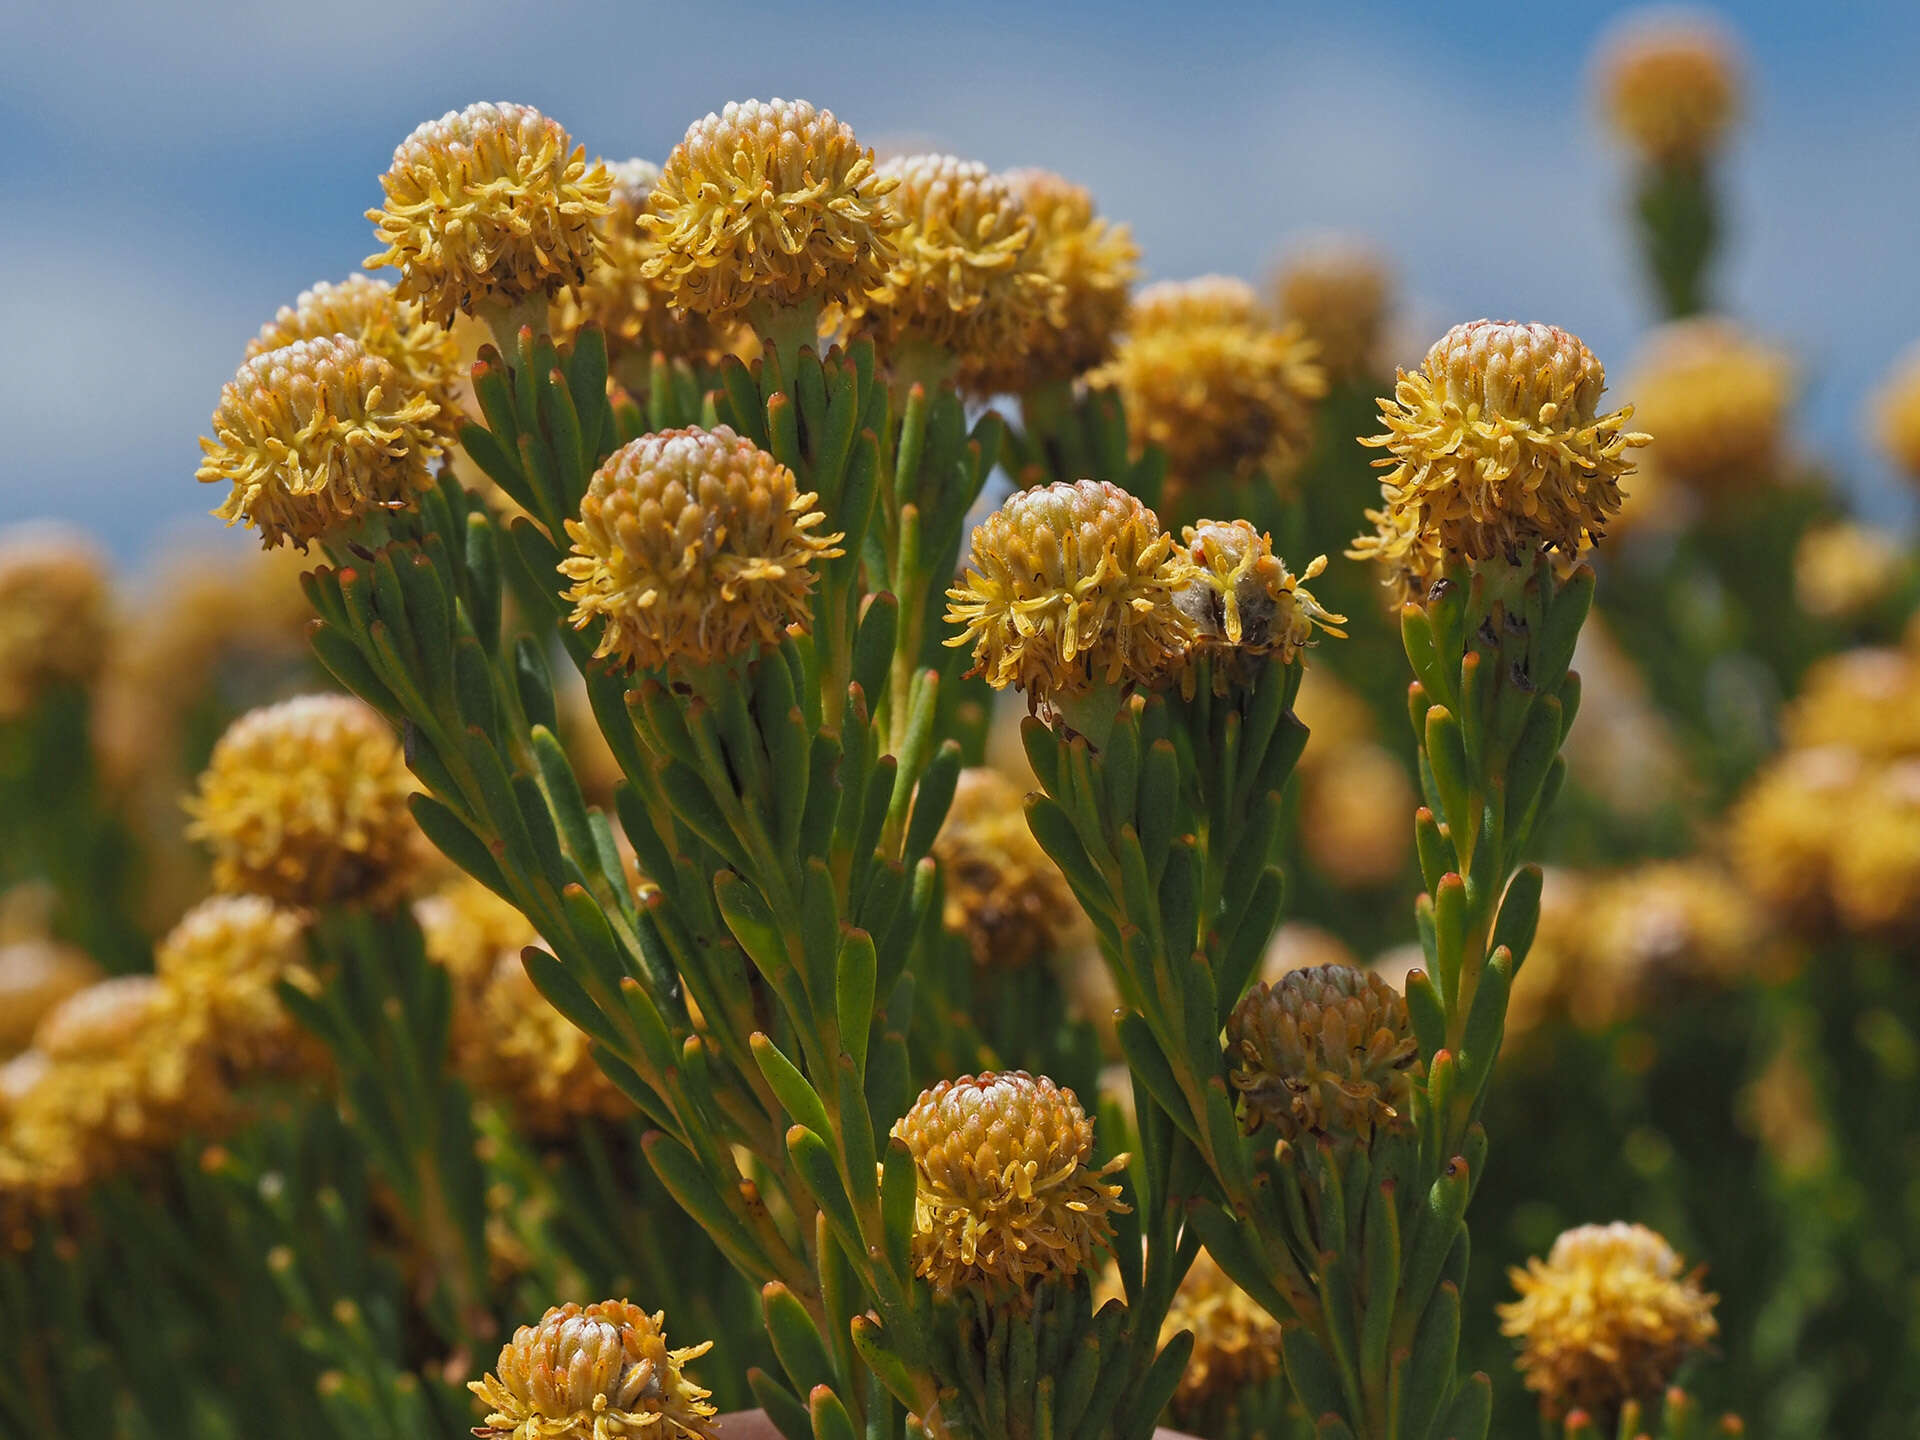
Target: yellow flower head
[1008,1196]
[1671,87]
[316,435]
[1092,260]
[1225,398]
[486,206]
[1606,1318]
[772,202]
[306,802]
[1338,292]
[518,1048]
[1236,1343]
[362,308]
[1003,892]
[1496,449]
[1071,586]
[618,297]
[1867,700]
[969,280]
[1354,803]
[594,1372]
[1714,401]
[1244,602]
[1327,1051]
[54,613]
[35,976]
[695,548]
[1784,830]
[1844,570]
[1897,415]
[1876,865]
[223,962]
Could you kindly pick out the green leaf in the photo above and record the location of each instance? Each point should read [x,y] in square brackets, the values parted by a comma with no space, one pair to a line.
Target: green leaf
[1310,1371]
[830,1418]
[563,992]
[801,1352]
[899,1188]
[1429,1014]
[1156,1389]
[884,1361]
[792,1419]
[799,1098]
[1471,1412]
[853,994]
[1486,1021]
[813,1159]
[453,838]
[1434,1228]
[1445,751]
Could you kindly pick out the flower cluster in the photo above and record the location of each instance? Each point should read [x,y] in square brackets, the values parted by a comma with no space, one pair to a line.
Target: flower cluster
[53,614]
[1714,401]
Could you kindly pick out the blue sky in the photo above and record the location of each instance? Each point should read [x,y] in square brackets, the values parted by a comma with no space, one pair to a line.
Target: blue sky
[173,173]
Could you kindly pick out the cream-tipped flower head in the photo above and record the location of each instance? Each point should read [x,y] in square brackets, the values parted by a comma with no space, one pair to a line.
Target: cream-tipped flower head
[36,974]
[695,547]
[1327,1051]
[617,296]
[1226,398]
[1244,602]
[1003,892]
[1606,1318]
[1008,1194]
[1091,259]
[1338,292]
[969,280]
[224,961]
[316,435]
[1496,449]
[1670,86]
[773,202]
[486,206]
[1896,415]
[594,1372]
[362,308]
[1715,401]
[1071,585]
[54,613]
[306,802]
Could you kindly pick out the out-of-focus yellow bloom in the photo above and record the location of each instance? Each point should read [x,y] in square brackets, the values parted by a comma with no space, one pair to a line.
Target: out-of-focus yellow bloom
[1606,1318]
[1008,1195]
[1338,291]
[1225,398]
[426,355]
[1242,599]
[1496,449]
[1670,86]
[1188,304]
[1782,1107]
[223,962]
[1867,700]
[1003,892]
[468,929]
[617,296]
[773,202]
[53,613]
[486,206]
[1876,864]
[1784,830]
[316,435]
[594,1372]
[306,802]
[35,976]
[1356,811]
[1092,260]
[1622,747]
[969,281]
[1896,413]
[1236,1344]
[1844,570]
[1714,400]
[695,548]
[518,1048]
[1325,1051]
[1071,585]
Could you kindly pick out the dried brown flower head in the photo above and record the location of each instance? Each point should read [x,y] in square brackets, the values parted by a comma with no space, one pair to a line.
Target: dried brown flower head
[1243,601]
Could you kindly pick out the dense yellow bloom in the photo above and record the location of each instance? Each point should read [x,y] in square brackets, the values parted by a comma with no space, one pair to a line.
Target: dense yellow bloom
[773,202]
[1070,586]
[969,281]
[1236,1343]
[35,976]
[1843,570]
[1606,1318]
[468,929]
[362,308]
[1003,892]
[1225,398]
[1867,700]
[1714,401]
[1008,1195]
[53,613]
[317,434]
[518,1048]
[306,802]
[1325,1051]
[223,962]
[1670,87]
[1244,602]
[617,296]
[695,548]
[1338,292]
[1496,449]
[486,206]
[1785,829]
[1092,260]
[594,1372]
[1896,413]
[1876,862]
